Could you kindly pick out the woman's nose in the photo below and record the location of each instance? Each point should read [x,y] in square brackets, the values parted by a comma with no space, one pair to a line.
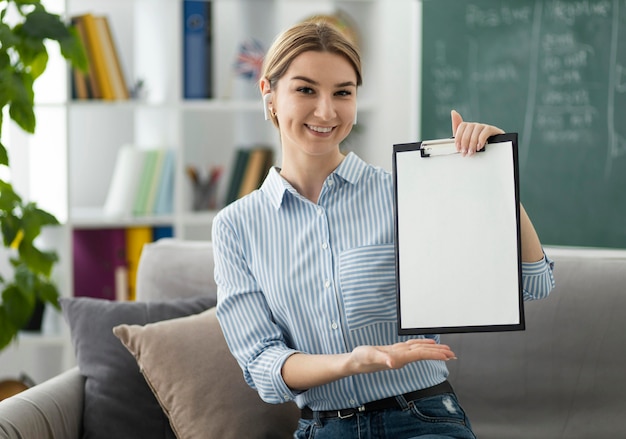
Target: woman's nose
[325,109]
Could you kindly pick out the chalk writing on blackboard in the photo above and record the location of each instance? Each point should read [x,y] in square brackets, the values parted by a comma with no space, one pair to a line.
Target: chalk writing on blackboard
[555,72]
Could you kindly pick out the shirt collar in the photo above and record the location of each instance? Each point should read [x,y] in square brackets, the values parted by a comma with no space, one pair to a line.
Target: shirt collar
[276,187]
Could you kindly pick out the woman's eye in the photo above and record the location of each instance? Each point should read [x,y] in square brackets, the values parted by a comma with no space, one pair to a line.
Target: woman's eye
[344,93]
[305,90]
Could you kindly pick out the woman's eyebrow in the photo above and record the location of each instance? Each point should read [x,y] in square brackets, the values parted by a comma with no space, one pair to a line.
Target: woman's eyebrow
[311,81]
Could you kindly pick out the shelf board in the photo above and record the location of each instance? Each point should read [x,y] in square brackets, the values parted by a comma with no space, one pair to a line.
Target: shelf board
[94,218]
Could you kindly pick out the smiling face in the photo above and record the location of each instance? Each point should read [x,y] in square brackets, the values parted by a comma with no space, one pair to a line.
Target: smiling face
[315,104]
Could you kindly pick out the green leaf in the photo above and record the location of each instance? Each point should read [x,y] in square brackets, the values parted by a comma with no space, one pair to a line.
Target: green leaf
[25,280]
[72,48]
[19,305]
[49,293]
[4,156]
[38,64]
[40,24]
[38,261]
[27,2]
[10,226]
[6,80]
[7,36]
[8,198]
[33,219]
[7,329]
[21,107]
[32,52]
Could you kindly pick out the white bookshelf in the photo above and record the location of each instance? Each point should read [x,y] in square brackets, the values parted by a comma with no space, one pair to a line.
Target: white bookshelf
[67,165]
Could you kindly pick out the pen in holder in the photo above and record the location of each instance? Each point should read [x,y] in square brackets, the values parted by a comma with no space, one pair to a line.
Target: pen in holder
[204,186]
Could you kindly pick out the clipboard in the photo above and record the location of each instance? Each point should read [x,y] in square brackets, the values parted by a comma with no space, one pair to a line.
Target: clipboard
[457,237]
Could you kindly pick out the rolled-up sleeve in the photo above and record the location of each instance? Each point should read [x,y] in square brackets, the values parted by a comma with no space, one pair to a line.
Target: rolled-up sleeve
[537,278]
[256,342]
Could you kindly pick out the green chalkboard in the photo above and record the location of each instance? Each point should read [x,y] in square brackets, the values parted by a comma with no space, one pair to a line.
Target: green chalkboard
[555,73]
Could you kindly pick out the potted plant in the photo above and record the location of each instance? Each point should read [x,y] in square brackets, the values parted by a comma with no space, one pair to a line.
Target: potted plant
[23,58]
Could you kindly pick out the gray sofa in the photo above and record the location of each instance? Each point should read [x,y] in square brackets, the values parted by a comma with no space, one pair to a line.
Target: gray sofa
[560,378]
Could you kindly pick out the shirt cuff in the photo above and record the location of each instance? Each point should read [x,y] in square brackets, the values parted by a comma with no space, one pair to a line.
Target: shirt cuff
[539,267]
[283,391]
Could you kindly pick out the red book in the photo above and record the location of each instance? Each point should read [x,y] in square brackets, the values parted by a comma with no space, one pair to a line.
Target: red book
[99,259]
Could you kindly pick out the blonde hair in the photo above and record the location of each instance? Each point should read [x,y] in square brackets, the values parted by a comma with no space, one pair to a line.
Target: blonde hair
[316,35]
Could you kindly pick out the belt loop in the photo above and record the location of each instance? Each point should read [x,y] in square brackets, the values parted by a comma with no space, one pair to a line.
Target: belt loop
[316,417]
[402,402]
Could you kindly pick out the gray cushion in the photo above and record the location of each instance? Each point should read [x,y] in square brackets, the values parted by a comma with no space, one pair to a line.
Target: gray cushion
[175,268]
[117,402]
[563,376]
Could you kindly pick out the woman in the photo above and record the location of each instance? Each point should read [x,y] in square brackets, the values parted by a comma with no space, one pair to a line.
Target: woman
[289,299]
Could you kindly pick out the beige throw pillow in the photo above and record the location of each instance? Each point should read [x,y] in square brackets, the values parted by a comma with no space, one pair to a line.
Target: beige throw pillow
[199,384]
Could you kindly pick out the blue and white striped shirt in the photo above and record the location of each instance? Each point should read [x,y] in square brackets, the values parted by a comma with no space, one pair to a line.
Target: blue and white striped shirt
[295,276]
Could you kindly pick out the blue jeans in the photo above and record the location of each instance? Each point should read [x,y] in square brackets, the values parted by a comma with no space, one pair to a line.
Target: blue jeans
[438,416]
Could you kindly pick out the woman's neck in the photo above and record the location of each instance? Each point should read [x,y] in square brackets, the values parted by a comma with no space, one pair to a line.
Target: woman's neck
[308,176]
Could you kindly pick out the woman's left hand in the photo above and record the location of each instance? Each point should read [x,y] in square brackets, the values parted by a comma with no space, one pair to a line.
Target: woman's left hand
[471,136]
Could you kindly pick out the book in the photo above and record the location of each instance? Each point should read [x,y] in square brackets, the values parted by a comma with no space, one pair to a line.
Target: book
[155,180]
[197,50]
[136,238]
[99,259]
[159,232]
[236,174]
[97,56]
[258,164]
[80,85]
[145,182]
[93,89]
[111,58]
[125,181]
[164,203]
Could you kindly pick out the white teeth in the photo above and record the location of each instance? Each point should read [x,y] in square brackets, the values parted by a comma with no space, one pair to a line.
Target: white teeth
[321,129]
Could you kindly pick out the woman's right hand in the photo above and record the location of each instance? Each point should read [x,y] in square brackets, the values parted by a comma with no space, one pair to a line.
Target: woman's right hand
[366,359]
[303,371]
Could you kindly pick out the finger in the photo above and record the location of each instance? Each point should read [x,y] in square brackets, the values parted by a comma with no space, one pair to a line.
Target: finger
[420,341]
[487,133]
[456,121]
[474,142]
[436,352]
[474,137]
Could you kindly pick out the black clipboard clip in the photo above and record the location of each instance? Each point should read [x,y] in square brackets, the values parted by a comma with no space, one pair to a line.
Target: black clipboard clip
[440,147]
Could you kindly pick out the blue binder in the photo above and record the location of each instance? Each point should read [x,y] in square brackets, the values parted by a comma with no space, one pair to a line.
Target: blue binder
[197,49]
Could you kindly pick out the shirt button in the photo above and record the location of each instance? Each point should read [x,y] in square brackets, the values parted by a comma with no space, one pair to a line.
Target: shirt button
[327,284]
[319,211]
[334,325]
[352,402]
[330,182]
[325,246]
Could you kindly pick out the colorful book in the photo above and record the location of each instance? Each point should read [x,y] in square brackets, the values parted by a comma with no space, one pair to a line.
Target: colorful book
[197,50]
[111,58]
[136,238]
[145,182]
[97,56]
[155,181]
[124,182]
[236,174]
[164,204]
[93,89]
[257,166]
[99,258]
[159,232]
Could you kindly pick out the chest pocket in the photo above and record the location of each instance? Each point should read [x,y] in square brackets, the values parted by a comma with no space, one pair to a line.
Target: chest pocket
[368,283]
